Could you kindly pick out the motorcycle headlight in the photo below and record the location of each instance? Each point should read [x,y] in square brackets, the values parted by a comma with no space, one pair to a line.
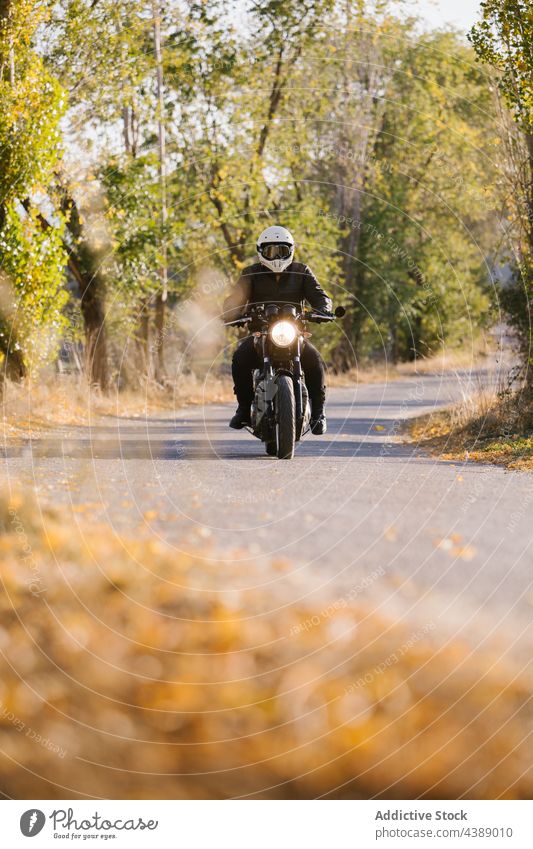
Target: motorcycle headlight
[283,334]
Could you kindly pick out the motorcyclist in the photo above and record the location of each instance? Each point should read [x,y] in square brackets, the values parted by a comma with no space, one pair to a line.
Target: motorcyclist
[276,279]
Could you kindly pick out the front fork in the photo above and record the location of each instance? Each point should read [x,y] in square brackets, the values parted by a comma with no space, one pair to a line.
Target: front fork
[268,377]
[297,372]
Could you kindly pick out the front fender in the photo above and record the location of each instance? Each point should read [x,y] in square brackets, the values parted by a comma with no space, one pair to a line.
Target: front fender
[283,371]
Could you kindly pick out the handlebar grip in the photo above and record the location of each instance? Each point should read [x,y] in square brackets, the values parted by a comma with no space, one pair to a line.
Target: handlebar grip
[238,321]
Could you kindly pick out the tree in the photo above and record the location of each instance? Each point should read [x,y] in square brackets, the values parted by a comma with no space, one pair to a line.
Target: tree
[195,135]
[503,39]
[92,49]
[31,258]
[429,224]
[161,296]
[355,64]
[241,133]
[114,58]
[86,261]
[401,151]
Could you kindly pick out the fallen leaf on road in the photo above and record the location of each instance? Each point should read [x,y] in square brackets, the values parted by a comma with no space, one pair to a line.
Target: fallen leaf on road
[465,552]
[450,544]
[90,505]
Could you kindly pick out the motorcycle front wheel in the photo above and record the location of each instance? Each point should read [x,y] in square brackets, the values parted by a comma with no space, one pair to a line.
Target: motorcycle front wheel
[285,417]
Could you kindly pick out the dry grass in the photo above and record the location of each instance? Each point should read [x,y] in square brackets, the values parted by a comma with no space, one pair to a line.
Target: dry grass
[129,671]
[488,426]
[34,406]
[38,405]
[383,372]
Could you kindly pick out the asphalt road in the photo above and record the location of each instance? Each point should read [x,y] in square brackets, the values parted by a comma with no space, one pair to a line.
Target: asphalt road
[357,514]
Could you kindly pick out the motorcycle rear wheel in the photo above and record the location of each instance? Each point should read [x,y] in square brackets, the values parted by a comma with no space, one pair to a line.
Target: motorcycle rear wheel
[286,417]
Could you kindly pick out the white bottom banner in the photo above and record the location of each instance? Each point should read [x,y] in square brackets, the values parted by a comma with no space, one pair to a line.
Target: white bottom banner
[268,824]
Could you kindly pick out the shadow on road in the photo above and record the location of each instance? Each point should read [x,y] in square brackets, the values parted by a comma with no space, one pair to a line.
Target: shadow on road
[202,440]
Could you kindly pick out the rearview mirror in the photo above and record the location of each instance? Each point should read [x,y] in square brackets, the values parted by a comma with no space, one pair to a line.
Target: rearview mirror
[339,312]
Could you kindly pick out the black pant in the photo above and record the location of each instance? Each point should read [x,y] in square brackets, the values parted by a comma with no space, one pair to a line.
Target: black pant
[246,359]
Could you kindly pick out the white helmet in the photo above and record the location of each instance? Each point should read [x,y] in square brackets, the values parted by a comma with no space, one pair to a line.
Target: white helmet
[275,248]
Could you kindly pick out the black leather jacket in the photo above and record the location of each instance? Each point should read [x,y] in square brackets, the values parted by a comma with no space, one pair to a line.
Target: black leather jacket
[259,285]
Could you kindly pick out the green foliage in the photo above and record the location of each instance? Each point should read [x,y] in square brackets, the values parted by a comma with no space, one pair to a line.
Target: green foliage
[31,257]
[33,260]
[133,223]
[425,212]
[102,53]
[404,165]
[503,38]
[374,145]
[31,105]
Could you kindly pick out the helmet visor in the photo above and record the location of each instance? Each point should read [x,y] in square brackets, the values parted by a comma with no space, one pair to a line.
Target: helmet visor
[275,250]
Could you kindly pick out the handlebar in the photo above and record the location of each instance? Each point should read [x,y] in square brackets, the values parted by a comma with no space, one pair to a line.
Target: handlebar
[305,316]
[239,322]
[316,316]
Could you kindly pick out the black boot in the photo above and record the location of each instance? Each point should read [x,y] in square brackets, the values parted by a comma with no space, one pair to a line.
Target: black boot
[319,424]
[242,417]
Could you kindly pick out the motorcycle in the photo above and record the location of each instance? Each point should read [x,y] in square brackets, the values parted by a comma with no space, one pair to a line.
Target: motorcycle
[281,412]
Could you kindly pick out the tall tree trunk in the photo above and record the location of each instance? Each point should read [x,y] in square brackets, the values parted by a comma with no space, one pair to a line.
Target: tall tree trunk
[350,174]
[14,366]
[161,297]
[159,347]
[85,264]
[126,128]
[417,323]
[96,354]
[143,339]
[144,349]
[415,351]
[529,194]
